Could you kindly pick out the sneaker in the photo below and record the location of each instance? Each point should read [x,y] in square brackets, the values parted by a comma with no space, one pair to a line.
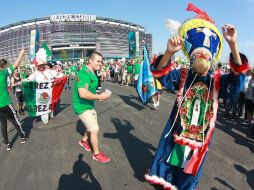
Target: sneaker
[102,158]
[8,146]
[23,140]
[45,122]
[85,144]
[52,115]
[246,123]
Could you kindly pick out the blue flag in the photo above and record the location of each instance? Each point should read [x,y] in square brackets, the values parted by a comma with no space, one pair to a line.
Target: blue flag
[146,83]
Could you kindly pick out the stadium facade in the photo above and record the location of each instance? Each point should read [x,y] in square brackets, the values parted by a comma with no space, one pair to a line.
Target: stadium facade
[75,34]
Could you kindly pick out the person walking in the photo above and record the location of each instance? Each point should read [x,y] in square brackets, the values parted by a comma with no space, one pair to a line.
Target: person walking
[249,99]
[84,96]
[185,141]
[17,90]
[7,111]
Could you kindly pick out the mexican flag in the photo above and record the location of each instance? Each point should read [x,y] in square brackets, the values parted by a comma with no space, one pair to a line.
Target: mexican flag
[180,155]
[43,54]
[42,97]
[47,51]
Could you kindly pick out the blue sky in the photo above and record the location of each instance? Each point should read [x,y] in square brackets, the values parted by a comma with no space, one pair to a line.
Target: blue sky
[150,14]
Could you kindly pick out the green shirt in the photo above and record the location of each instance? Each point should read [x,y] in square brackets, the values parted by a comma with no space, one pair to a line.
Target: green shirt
[129,68]
[67,71]
[85,77]
[73,69]
[137,68]
[23,75]
[4,94]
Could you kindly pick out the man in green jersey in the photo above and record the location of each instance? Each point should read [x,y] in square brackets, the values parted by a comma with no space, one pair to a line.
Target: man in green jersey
[73,70]
[7,111]
[84,96]
[136,71]
[129,73]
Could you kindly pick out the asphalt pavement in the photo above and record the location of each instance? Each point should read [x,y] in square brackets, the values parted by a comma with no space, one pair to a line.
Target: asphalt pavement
[52,159]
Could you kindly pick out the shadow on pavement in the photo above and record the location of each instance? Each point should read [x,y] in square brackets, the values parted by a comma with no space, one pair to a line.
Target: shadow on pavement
[81,178]
[227,186]
[80,128]
[137,152]
[230,126]
[60,107]
[28,123]
[13,140]
[248,173]
[129,100]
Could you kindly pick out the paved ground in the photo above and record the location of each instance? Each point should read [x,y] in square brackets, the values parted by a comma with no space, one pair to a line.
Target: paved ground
[130,132]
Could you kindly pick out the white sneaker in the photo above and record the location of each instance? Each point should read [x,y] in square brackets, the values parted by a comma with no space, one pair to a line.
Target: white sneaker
[45,122]
[45,119]
[52,115]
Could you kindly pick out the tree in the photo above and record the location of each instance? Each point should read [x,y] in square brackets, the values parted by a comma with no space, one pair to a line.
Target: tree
[64,55]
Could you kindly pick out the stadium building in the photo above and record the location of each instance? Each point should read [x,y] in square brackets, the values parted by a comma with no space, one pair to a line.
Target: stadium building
[74,36]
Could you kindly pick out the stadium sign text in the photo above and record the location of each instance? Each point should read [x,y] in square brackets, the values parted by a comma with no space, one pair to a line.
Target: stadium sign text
[72,18]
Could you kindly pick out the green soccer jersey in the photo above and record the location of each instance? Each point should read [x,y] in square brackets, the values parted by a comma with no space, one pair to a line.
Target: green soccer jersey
[4,94]
[129,69]
[85,77]
[23,75]
[73,69]
[137,68]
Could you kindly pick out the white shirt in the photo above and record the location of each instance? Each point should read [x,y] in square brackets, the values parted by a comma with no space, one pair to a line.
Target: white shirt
[116,70]
[249,94]
[42,76]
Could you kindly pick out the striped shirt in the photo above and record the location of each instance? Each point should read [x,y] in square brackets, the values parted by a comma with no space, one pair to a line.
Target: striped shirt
[249,94]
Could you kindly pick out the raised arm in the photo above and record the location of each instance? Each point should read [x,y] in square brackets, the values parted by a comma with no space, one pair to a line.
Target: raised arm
[163,68]
[174,44]
[18,61]
[230,35]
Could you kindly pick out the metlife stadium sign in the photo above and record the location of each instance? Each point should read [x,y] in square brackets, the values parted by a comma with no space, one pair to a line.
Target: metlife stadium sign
[72,18]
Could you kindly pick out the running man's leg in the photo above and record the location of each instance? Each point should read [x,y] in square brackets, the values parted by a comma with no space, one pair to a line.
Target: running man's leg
[12,116]
[3,121]
[89,119]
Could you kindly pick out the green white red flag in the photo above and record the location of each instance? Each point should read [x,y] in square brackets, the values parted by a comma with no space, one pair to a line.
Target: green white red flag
[42,97]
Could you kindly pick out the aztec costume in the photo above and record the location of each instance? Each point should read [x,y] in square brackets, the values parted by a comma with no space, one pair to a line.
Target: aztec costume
[186,138]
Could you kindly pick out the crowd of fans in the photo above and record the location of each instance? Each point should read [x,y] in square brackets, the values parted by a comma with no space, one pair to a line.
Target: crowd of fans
[126,72]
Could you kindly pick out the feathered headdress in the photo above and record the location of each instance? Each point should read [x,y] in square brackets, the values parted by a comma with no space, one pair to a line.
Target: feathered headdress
[198,32]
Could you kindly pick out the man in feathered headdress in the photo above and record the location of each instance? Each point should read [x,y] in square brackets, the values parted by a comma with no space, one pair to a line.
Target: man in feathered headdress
[184,143]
